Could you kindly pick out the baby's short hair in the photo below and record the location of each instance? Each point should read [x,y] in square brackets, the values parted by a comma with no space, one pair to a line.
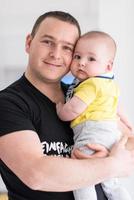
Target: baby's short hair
[104,35]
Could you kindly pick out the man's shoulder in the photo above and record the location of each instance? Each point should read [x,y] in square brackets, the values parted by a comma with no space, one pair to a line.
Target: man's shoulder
[13,94]
[12,86]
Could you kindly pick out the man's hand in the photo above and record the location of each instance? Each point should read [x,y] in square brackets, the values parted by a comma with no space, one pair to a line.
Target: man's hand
[123,157]
[129,131]
[130,143]
[99,152]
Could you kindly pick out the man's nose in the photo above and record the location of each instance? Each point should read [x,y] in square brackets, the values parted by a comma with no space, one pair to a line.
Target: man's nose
[55,53]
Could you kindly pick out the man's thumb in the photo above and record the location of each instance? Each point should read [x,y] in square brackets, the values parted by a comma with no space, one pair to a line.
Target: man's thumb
[123,140]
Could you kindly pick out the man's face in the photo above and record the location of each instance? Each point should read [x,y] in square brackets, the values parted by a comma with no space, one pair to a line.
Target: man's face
[50,51]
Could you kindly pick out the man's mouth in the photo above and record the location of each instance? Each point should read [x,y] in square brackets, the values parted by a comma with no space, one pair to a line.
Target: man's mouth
[52,64]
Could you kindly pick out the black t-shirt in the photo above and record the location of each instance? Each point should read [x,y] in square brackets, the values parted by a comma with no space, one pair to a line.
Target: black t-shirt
[23,107]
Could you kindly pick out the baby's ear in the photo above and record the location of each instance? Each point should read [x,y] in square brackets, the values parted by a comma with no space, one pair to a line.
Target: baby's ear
[109,66]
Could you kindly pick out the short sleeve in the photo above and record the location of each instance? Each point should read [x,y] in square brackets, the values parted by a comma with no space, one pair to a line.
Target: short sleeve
[86,91]
[14,116]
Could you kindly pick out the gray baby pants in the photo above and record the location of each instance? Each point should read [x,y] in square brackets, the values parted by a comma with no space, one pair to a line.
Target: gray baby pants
[105,133]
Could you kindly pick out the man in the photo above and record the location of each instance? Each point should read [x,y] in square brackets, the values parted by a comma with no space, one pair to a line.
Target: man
[30,129]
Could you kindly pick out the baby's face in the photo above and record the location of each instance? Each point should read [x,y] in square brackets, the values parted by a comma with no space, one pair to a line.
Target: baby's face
[91,58]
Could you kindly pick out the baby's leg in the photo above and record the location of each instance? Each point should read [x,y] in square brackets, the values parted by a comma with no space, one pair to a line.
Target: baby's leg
[114,191]
[87,193]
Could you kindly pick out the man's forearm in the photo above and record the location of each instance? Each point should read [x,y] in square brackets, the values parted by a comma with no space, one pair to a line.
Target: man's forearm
[48,173]
[62,174]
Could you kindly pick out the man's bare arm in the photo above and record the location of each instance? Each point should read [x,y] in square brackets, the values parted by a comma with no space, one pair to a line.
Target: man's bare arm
[25,158]
[130,143]
[124,123]
[124,129]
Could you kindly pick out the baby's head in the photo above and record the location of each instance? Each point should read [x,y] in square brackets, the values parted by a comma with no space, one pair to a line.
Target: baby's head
[94,55]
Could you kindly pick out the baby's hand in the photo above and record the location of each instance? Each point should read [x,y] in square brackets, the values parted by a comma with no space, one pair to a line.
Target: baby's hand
[59,107]
[99,152]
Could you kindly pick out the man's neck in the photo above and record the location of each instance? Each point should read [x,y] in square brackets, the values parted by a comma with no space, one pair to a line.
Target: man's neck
[52,90]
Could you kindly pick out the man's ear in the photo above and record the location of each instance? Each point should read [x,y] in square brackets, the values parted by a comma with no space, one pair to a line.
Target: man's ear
[109,66]
[28,42]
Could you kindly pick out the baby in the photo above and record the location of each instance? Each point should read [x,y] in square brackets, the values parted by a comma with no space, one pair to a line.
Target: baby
[92,105]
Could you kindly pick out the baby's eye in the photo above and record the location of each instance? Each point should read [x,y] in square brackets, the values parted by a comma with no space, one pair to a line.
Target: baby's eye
[76,56]
[91,59]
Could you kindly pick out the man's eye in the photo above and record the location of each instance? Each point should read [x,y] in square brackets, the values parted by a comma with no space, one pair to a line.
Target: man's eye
[48,42]
[91,59]
[68,49]
[77,57]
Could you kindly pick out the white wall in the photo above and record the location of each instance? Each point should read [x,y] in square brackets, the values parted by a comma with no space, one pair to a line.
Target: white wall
[117,18]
